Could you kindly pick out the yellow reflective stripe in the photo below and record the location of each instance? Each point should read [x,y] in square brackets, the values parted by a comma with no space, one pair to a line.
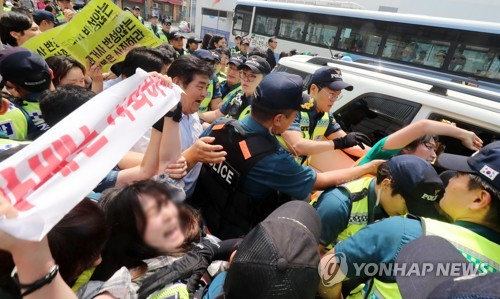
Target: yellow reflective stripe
[206,101]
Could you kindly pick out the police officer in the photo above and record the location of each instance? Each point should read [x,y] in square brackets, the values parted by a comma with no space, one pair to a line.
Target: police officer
[64,11]
[238,193]
[213,89]
[229,88]
[137,13]
[245,44]
[165,30]
[29,75]
[236,48]
[303,138]
[224,54]
[346,209]
[192,44]
[153,27]
[252,72]
[471,200]
[176,39]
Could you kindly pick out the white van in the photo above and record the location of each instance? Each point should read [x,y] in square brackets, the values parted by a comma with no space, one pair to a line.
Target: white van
[384,100]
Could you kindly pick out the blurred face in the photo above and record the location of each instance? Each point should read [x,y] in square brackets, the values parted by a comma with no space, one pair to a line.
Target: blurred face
[237,42]
[244,48]
[221,44]
[457,196]
[249,81]
[325,97]
[394,205]
[64,4]
[426,151]
[193,94]
[163,230]
[233,75]
[273,44]
[176,43]
[153,21]
[75,77]
[193,46]
[27,34]
[136,12]
[166,27]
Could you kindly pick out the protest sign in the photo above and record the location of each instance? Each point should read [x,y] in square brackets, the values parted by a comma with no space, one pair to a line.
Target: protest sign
[48,178]
[100,32]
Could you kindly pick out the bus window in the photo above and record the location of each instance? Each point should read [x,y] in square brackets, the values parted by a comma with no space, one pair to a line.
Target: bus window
[418,44]
[291,29]
[361,37]
[265,22]
[242,20]
[322,35]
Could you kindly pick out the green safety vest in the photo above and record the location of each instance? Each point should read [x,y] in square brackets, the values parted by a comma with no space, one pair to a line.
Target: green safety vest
[222,77]
[475,248]
[236,103]
[6,144]
[140,19]
[14,123]
[35,114]
[7,9]
[305,124]
[229,96]
[234,50]
[163,36]
[204,106]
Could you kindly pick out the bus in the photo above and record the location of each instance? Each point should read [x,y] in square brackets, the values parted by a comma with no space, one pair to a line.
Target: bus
[463,51]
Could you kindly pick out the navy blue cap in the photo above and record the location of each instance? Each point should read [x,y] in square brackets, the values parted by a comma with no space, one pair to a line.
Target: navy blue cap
[279,91]
[205,55]
[137,8]
[237,59]
[24,67]
[419,183]
[175,35]
[330,77]
[245,41]
[216,55]
[166,22]
[192,40]
[257,64]
[40,15]
[484,163]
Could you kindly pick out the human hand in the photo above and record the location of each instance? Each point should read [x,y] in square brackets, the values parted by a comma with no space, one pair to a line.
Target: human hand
[7,211]
[68,14]
[178,169]
[350,140]
[471,141]
[94,72]
[372,166]
[166,80]
[206,152]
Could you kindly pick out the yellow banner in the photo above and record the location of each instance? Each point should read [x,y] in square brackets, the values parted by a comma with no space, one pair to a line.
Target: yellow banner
[101,32]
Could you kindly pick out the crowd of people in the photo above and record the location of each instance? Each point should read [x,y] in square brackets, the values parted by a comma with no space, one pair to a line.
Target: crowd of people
[217,198]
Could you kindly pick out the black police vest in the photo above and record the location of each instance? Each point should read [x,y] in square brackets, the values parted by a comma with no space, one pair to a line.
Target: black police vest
[227,211]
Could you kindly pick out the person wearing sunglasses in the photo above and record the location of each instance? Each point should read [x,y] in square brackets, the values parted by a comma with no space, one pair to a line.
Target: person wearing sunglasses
[302,138]
[251,74]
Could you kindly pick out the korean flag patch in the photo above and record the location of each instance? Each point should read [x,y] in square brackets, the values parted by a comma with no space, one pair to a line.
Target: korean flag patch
[489,172]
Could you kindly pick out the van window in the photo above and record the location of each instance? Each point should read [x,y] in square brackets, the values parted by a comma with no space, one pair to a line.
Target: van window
[454,146]
[376,115]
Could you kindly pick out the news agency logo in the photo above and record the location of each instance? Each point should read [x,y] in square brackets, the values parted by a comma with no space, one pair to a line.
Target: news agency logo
[333,269]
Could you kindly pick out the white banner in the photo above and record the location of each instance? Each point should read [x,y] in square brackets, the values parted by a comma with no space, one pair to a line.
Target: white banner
[45,180]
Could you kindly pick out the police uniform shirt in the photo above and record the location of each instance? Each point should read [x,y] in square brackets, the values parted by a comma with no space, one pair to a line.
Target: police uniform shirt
[334,207]
[217,87]
[277,171]
[378,152]
[380,242]
[225,88]
[314,117]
